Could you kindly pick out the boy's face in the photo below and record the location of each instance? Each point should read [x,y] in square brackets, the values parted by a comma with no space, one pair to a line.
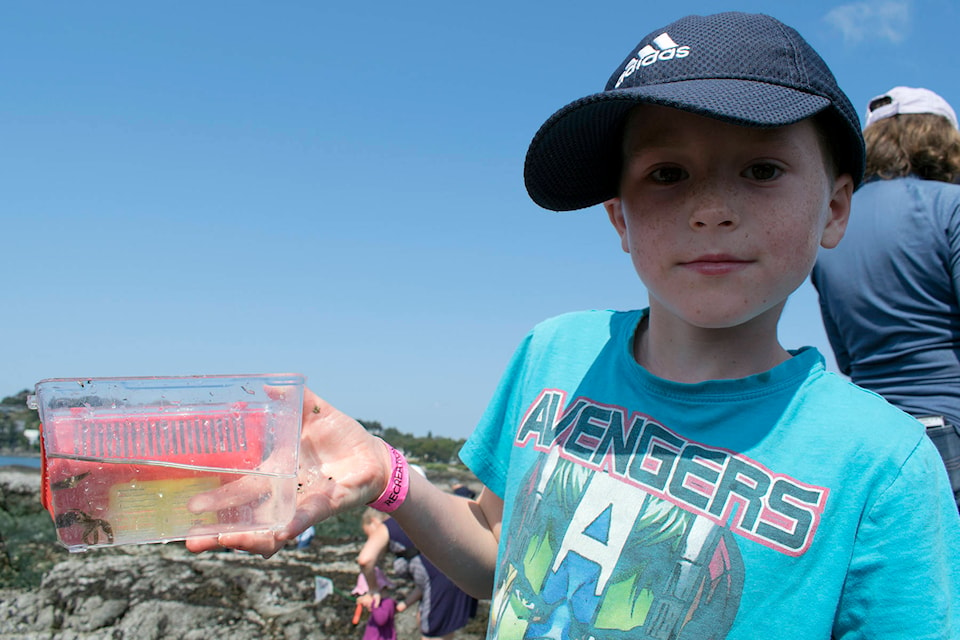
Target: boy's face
[723,222]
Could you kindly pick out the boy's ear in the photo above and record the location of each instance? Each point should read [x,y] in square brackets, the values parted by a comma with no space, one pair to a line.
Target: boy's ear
[839,211]
[615,211]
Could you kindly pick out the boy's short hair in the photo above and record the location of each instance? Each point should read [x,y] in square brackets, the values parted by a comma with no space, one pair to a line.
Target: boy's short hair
[745,69]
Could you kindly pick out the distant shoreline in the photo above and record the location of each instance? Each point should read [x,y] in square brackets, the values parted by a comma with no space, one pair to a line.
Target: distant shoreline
[16,460]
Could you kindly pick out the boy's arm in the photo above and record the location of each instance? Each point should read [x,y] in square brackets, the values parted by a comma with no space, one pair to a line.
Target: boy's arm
[343,467]
[458,535]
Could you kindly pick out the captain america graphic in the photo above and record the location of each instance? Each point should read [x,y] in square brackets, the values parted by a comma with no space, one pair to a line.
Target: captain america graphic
[591,557]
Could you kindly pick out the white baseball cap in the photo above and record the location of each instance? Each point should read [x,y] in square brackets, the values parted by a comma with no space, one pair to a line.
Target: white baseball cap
[902,100]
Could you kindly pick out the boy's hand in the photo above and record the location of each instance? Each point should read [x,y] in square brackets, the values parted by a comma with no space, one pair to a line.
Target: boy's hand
[341,466]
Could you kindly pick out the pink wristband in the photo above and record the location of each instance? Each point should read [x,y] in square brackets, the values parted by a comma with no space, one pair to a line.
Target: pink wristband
[397,487]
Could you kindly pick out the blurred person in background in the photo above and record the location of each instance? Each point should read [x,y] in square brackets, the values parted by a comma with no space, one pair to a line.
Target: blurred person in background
[890,292]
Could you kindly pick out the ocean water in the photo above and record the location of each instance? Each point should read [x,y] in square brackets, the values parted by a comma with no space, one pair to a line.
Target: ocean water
[23,461]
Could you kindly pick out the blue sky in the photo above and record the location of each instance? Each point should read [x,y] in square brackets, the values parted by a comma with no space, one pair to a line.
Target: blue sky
[335,189]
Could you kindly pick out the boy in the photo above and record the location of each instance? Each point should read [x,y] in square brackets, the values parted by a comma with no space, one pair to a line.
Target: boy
[674,472]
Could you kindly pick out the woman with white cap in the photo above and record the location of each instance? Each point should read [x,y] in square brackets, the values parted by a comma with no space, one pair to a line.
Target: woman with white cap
[890,292]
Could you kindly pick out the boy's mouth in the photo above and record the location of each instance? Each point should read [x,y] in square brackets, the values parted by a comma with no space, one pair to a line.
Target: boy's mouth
[715,264]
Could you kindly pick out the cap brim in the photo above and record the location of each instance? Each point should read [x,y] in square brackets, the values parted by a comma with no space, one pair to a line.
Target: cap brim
[574,160]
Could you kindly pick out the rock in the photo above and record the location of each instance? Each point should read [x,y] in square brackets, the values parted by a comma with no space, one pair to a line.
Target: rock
[164,591]
[20,490]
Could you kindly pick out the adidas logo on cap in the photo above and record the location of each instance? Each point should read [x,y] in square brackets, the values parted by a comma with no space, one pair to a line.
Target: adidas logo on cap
[662,48]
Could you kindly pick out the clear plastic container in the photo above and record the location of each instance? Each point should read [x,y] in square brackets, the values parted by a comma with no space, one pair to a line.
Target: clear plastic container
[123,456]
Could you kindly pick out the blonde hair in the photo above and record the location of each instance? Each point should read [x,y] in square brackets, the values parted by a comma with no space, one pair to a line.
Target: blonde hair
[923,144]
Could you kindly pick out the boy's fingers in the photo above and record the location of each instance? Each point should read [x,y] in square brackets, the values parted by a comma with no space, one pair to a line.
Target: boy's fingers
[206,543]
[302,519]
[314,404]
[278,392]
[339,463]
[264,543]
[246,490]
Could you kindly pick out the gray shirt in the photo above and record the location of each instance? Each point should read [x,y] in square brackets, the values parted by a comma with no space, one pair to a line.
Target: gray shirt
[890,294]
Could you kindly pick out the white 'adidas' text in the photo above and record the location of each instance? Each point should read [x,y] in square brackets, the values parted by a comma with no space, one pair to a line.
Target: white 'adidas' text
[666,49]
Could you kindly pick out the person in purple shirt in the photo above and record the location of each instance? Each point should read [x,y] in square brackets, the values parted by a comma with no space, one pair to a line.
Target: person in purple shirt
[444,607]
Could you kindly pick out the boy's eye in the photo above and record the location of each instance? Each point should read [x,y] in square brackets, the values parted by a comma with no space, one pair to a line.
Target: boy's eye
[762,171]
[668,175]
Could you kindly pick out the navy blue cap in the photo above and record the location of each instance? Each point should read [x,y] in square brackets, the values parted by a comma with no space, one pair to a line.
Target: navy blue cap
[745,69]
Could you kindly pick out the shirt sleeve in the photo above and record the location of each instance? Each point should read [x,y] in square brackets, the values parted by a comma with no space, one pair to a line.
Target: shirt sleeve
[840,353]
[953,242]
[383,614]
[904,578]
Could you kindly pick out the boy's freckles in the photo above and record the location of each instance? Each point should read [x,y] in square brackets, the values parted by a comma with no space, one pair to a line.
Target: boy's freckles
[722,222]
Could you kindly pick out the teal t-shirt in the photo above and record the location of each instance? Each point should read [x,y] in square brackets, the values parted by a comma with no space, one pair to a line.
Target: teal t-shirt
[790,504]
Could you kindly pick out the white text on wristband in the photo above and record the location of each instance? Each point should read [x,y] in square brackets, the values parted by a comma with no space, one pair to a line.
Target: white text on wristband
[397,486]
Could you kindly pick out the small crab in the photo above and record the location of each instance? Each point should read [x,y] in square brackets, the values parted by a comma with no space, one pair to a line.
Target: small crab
[70,482]
[91,526]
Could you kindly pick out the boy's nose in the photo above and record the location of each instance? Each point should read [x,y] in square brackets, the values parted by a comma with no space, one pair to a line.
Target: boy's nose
[713,210]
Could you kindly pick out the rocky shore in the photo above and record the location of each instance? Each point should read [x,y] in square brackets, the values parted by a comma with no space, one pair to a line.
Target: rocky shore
[164,591]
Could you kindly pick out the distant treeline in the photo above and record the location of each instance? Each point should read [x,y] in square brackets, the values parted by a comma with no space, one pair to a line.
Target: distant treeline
[15,417]
[427,448]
